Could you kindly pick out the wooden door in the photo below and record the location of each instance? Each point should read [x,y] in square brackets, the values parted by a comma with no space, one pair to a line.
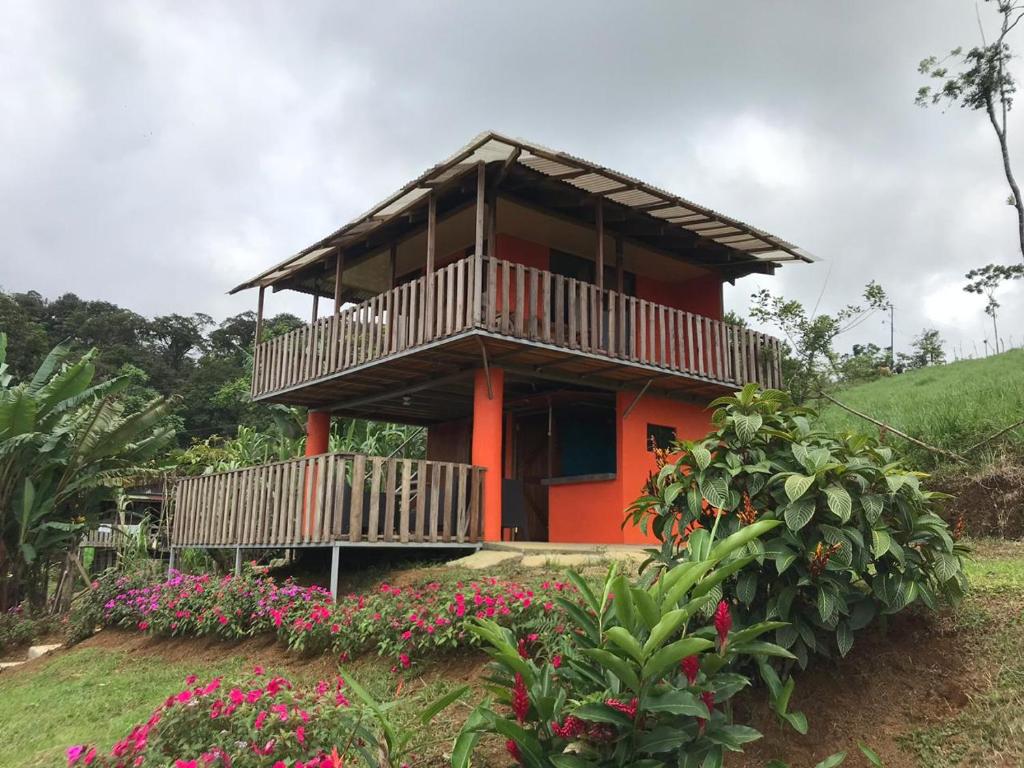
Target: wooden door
[531,465]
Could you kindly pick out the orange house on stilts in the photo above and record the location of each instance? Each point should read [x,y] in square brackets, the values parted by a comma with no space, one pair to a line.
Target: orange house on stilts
[547,319]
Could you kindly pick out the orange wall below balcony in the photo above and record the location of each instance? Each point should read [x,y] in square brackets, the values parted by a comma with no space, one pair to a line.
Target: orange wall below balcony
[593,512]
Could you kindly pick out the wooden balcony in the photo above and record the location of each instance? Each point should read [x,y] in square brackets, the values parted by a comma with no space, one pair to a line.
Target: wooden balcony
[331,499]
[510,301]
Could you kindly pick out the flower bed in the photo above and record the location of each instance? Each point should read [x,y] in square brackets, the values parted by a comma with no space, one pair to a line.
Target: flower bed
[262,721]
[400,622]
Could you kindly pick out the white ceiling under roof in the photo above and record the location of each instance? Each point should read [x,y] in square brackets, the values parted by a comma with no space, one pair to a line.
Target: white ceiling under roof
[593,179]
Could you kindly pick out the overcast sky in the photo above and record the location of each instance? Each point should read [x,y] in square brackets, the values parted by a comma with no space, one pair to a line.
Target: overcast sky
[155,154]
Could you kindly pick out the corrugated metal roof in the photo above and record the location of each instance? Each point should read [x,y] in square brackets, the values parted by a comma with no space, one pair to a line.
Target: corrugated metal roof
[577,172]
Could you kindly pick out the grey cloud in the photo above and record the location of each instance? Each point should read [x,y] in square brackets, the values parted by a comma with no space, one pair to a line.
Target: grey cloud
[157,154]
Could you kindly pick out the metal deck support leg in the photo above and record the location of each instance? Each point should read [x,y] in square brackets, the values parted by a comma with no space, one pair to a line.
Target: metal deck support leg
[335,557]
[171,560]
[238,561]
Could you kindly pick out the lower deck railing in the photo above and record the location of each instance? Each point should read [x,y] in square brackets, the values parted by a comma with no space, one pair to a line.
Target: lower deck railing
[328,499]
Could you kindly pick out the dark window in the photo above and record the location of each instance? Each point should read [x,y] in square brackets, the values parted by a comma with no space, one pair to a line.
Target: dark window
[660,437]
[586,440]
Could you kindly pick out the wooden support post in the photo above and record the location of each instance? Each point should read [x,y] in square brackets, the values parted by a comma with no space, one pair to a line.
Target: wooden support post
[478,243]
[335,558]
[487,368]
[429,271]
[259,315]
[632,405]
[238,561]
[339,267]
[599,249]
[172,559]
[620,267]
[316,308]
[392,264]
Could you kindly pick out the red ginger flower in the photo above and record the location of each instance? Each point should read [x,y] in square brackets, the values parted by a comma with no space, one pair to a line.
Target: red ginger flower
[709,702]
[691,667]
[520,699]
[627,709]
[723,623]
[513,749]
[569,729]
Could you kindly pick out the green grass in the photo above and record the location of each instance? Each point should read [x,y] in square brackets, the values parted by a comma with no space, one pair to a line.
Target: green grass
[85,695]
[951,406]
[989,731]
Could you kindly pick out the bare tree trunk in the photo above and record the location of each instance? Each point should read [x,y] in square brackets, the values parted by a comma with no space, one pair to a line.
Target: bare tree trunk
[1018,201]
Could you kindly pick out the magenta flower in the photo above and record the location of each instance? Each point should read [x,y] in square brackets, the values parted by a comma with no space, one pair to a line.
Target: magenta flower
[723,623]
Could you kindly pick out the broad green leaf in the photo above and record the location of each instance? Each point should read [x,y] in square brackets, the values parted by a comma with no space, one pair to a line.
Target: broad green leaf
[871,755]
[839,502]
[663,630]
[746,587]
[624,639]
[747,425]
[880,541]
[672,654]
[844,638]
[799,513]
[702,456]
[797,485]
[664,738]
[677,702]
[832,760]
[621,668]
[716,491]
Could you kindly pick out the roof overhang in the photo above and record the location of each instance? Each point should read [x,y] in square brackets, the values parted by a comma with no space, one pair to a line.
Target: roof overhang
[746,243]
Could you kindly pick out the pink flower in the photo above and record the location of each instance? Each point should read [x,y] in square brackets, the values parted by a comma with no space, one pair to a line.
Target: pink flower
[691,667]
[186,764]
[403,659]
[257,670]
[300,735]
[513,749]
[723,623]
[74,753]
[556,661]
[143,626]
[627,709]
[520,699]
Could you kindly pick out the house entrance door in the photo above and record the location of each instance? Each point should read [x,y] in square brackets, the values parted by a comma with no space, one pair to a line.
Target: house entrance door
[531,465]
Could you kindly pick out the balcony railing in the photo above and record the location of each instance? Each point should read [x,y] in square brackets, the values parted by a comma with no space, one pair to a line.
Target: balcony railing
[328,499]
[522,303]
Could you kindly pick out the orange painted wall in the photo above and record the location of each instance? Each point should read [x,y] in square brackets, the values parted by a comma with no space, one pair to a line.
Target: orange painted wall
[700,295]
[593,512]
[690,421]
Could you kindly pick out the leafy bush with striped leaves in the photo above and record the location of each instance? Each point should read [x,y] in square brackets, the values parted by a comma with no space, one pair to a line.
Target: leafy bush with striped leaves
[860,539]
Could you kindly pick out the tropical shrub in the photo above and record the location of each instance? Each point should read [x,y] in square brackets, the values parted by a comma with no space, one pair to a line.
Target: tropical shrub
[402,623]
[634,684]
[66,444]
[860,537]
[19,626]
[264,720]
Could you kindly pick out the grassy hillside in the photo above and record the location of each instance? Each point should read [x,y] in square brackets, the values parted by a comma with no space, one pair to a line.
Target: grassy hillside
[952,406]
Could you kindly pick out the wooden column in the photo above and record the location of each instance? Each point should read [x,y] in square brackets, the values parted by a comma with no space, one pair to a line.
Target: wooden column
[339,267]
[429,271]
[316,308]
[478,243]
[599,250]
[392,264]
[620,269]
[259,315]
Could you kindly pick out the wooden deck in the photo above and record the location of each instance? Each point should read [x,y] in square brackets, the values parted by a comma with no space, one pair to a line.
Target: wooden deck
[525,304]
[330,500]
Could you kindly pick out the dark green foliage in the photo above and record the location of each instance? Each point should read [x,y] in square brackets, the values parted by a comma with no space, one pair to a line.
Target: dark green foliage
[640,678]
[860,539]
